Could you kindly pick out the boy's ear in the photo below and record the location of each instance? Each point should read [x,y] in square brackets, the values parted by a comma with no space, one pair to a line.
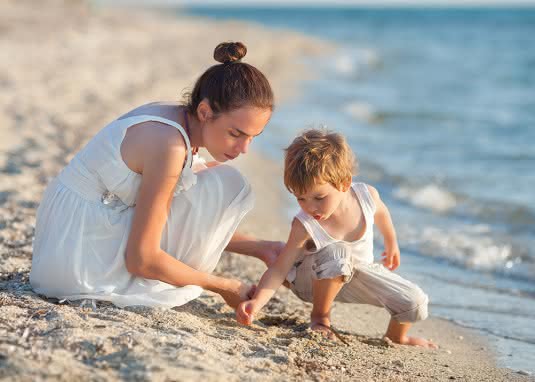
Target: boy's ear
[346,185]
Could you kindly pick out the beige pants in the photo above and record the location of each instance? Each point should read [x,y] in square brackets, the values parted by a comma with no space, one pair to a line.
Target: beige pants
[371,284]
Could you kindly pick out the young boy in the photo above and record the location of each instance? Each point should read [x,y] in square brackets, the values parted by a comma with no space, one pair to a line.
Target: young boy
[329,253]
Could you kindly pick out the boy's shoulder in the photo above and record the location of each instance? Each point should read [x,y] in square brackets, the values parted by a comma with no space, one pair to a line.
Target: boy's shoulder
[298,233]
[365,187]
[367,192]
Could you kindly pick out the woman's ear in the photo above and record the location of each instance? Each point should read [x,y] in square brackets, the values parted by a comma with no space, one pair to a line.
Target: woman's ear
[204,111]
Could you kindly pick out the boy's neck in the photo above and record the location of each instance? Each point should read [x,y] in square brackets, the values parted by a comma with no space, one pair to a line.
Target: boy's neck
[346,204]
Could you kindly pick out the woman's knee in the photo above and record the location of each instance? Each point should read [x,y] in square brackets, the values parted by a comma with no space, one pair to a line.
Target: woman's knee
[231,180]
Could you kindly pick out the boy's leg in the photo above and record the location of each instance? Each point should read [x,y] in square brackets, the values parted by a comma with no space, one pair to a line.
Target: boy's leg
[397,332]
[375,285]
[332,268]
[324,292]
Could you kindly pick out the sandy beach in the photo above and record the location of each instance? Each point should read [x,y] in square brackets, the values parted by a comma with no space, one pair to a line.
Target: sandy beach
[69,68]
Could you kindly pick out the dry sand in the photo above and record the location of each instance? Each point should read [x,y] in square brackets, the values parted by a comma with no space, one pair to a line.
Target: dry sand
[65,71]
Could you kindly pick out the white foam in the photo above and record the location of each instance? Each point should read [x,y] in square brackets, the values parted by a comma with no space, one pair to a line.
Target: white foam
[370,57]
[361,111]
[345,65]
[467,245]
[430,196]
[354,62]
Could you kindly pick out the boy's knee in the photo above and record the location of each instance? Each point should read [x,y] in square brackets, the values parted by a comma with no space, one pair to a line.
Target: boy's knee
[414,308]
[332,262]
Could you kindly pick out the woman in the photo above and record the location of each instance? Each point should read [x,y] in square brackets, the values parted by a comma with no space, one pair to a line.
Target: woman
[137,218]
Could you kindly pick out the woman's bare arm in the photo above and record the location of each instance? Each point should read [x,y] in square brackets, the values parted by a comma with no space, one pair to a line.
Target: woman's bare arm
[164,154]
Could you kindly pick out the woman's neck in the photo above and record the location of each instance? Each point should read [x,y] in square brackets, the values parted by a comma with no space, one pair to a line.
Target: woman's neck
[194,125]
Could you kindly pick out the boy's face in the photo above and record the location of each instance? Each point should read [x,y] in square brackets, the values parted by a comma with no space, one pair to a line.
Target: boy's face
[321,200]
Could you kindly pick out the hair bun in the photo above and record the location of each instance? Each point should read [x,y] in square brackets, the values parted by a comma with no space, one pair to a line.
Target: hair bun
[229,52]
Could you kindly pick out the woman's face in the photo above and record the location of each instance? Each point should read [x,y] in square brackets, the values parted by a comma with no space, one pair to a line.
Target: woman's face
[229,134]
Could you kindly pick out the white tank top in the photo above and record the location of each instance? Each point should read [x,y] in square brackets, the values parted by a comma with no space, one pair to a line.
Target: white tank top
[361,249]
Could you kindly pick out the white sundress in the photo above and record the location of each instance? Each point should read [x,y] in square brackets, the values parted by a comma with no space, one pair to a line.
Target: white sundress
[84,220]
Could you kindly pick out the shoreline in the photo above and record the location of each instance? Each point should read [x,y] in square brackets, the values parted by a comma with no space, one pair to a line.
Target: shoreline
[93,66]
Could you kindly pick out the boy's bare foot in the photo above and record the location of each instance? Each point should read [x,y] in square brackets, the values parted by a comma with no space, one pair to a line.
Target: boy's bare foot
[323,326]
[415,341]
[397,332]
[327,331]
[323,329]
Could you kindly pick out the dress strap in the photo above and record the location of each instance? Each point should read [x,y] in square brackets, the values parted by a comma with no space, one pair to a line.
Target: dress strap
[134,120]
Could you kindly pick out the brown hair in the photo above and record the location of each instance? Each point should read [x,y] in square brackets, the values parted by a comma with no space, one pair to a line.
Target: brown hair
[231,84]
[318,156]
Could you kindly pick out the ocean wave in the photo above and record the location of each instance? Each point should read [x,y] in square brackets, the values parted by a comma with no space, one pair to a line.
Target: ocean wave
[496,333]
[430,196]
[356,61]
[362,111]
[437,197]
[471,246]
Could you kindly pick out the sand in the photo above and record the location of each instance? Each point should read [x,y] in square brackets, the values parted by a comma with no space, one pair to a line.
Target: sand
[67,69]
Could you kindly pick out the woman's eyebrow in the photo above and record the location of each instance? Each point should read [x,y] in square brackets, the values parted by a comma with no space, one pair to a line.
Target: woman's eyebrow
[241,132]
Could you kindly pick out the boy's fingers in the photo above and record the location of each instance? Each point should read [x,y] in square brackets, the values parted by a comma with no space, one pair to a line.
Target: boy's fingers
[242,318]
[240,311]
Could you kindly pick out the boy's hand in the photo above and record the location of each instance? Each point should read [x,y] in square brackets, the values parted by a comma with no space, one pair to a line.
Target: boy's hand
[391,258]
[244,312]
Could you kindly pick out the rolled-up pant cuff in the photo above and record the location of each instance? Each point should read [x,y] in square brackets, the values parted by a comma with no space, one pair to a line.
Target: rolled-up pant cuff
[418,313]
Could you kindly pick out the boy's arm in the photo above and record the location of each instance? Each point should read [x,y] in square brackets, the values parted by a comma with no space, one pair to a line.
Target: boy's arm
[273,278]
[383,221]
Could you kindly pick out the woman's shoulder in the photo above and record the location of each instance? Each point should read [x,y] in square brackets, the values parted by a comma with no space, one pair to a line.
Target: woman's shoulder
[154,141]
[163,109]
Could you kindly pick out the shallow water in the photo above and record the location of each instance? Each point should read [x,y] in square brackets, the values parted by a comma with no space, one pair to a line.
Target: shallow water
[439,105]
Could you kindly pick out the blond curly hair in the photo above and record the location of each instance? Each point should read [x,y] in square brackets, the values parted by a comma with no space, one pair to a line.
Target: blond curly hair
[317,156]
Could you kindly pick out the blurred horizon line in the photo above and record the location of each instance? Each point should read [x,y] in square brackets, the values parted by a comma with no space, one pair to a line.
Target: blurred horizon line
[379,4]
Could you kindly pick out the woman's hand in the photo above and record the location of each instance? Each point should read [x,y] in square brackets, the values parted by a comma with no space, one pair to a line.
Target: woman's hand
[268,251]
[235,292]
